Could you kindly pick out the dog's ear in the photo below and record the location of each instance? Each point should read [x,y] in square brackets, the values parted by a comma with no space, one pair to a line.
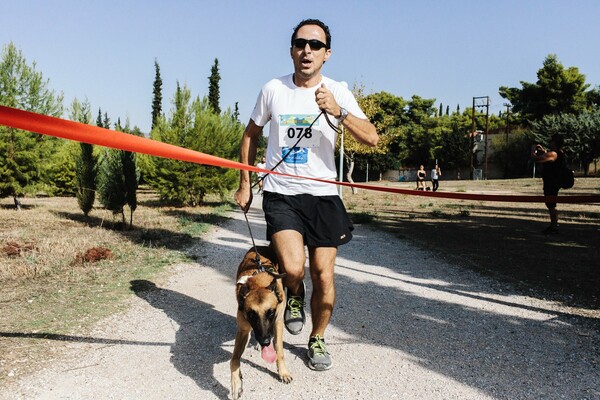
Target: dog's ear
[276,275]
[274,287]
[242,290]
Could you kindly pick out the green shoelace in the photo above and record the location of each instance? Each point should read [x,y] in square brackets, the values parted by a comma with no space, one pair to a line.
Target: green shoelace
[318,346]
[295,305]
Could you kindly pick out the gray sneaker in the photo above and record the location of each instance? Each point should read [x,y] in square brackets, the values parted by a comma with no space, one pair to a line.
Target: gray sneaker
[318,356]
[294,317]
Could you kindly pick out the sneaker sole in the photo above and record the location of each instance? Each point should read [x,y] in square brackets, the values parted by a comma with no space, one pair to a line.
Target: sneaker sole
[294,332]
[319,369]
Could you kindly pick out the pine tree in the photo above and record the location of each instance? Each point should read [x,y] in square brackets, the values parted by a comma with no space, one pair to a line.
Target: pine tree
[157,94]
[213,87]
[21,86]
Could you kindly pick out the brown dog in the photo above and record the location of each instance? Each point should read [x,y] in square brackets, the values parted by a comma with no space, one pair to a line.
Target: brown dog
[261,303]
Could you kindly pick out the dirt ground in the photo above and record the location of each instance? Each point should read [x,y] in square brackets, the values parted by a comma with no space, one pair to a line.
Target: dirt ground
[407,325]
[504,240]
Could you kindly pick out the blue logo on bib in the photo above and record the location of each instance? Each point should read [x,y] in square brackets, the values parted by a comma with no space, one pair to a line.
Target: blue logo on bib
[296,155]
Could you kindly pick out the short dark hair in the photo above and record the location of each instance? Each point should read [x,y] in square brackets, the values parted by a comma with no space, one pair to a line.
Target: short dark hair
[317,22]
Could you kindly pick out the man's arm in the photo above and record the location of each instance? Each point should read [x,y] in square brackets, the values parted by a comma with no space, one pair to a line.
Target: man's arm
[248,146]
[361,129]
[546,156]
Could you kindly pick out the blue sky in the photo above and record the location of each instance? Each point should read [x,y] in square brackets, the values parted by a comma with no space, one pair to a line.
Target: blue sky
[447,50]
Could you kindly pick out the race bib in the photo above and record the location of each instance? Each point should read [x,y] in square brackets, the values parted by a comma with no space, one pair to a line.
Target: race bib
[297,126]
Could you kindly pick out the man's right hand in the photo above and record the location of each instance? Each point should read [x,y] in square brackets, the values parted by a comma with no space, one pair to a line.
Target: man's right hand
[243,197]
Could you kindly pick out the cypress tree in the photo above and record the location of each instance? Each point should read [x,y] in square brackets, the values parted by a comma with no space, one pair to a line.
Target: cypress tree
[130,181]
[157,94]
[106,122]
[441,108]
[236,113]
[86,178]
[111,183]
[111,180]
[447,110]
[130,175]
[85,162]
[213,87]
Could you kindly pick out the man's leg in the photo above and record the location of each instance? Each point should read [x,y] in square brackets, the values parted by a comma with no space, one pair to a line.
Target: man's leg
[553,216]
[289,247]
[322,260]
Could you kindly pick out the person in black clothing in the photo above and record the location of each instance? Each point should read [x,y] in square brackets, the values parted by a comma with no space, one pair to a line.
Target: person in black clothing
[421,175]
[553,160]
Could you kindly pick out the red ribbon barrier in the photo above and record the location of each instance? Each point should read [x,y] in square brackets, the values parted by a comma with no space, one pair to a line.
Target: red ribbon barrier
[85,133]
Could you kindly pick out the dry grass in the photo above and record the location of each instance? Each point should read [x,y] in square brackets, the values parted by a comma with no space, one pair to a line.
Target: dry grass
[501,239]
[61,271]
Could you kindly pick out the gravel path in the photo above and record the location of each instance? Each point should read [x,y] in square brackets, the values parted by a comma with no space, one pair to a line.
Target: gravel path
[407,325]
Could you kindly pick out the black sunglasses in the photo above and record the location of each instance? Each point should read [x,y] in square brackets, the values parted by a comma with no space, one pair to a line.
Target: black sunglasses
[313,43]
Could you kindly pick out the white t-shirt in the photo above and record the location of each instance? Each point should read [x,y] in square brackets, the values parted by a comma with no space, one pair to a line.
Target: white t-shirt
[290,110]
[261,166]
[434,174]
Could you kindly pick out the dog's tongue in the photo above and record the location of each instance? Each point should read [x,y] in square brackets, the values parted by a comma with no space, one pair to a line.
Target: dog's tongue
[268,353]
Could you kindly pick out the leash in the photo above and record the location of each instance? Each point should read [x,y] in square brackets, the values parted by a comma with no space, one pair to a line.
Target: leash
[308,130]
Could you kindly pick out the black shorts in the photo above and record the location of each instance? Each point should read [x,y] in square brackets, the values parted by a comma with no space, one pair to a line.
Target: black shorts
[321,220]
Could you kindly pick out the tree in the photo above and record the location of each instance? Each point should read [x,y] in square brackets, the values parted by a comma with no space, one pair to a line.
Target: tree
[99,119]
[85,162]
[557,90]
[213,87]
[157,94]
[581,133]
[118,179]
[418,135]
[593,98]
[236,113]
[384,110]
[131,174]
[194,125]
[111,183]
[451,149]
[23,87]
[513,151]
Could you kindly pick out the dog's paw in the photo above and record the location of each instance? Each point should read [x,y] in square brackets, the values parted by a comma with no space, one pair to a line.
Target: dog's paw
[285,377]
[236,387]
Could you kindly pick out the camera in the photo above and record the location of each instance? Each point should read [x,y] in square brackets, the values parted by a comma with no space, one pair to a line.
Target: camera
[539,150]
